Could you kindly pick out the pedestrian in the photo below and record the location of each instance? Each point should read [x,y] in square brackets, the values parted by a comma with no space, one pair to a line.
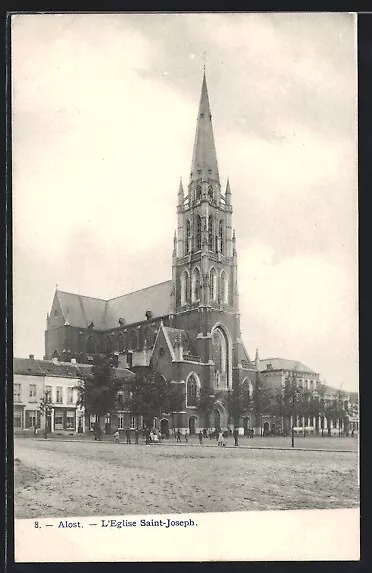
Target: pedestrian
[136,434]
[236,435]
[116,437]
[200,437]
[127,433]
[204,432]
[178,436]
[186,438]
[220,438]
[147,435]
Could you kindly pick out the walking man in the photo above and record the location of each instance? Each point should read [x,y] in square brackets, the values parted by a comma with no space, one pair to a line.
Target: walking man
[186,438]
[236,435]
[136,434]
[127,433]
[178,436]
[200,437]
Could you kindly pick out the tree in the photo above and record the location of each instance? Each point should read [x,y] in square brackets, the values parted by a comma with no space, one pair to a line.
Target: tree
[204,403]
[98,390]
[294,400]
[46,407]
[263,399]
[174,400]
[239,401]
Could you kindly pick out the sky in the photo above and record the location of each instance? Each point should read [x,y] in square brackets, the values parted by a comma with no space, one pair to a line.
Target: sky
[104,110]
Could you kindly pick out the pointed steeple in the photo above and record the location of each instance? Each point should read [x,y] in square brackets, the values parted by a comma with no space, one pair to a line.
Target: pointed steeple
[204,159]
[228,193]
[180,193]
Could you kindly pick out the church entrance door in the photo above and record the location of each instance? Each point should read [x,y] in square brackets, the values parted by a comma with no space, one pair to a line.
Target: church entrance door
[192,425]
[246,425]
[164,427]
[217,419]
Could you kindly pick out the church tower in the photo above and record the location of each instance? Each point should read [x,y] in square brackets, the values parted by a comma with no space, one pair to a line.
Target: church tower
[204,258]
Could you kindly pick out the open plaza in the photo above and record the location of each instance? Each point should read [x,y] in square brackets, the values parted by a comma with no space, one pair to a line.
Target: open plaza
[81,477]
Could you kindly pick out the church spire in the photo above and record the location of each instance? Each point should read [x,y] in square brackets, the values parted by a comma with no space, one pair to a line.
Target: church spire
[204,160]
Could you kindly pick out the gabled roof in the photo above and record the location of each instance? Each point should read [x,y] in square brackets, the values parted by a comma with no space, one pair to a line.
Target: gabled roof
[80,311]
[284,364]
[173,333]
[34,367]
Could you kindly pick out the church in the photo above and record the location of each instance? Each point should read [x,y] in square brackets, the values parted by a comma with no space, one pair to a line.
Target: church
[186,328]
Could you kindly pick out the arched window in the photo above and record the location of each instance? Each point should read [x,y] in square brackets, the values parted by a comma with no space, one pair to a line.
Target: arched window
[198,232]
[220,358]
[210,233]
[107,345]
[210,192]
[121,343]
[220,237]
[188,237]
[185,288]
[90,345]
[192,389]
[195,285]
[224,289]
[147,336]
[212,284]
[198,193]
[132,340]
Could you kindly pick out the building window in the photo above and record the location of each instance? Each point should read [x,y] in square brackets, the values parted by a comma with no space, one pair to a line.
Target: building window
[120,398]
[32,393]
[70,395]
[192,391]
[120,420]
[198,192]
[70,421]
[195,285]
[220,358]
[210,233]
[121,343]
[210,192]
[58,421]
[220,237]
[198,232]
[32,419]
[212,284]
[48,393]
[132,340]
[224,289]
[147,336]
[17,392]
[59,395]
[17,418]
[133,422]
[188,238]
[90,345]
[108,345]
[185,288]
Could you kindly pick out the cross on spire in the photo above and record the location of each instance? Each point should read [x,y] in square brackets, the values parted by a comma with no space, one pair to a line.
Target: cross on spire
[204,58]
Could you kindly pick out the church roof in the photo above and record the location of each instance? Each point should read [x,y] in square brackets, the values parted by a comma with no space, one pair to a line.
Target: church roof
[34,367]
[284,364]
[173,333]
[79,310]
[204,158]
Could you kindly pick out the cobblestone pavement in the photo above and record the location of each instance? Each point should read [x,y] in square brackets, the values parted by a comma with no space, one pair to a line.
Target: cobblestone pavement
[77,478]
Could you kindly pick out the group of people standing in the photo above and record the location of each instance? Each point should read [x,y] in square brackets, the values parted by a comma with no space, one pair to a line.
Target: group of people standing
[153,436]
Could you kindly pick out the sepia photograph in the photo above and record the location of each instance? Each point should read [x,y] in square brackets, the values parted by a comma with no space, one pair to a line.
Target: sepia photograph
[185,292]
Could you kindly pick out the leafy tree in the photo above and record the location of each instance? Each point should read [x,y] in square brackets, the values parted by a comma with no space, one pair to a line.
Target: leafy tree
[263,400]
[46,407]
[205,403]
[239,401]
[98,390]
[294,400]
[174,400]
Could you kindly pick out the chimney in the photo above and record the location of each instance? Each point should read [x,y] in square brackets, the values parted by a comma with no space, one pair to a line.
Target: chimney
[31,356]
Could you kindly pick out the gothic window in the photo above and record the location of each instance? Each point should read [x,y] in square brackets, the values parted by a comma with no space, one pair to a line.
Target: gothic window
[192,390]
[185,288]
[210,192]
[121,343]
[108,346]
[224,289]
[188,237]
[198,232]
[212,284]
[147,336]
[132,340]
[221,237]
[210,233]
[220,358]
[195,285]
[198,192]
[91,347]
